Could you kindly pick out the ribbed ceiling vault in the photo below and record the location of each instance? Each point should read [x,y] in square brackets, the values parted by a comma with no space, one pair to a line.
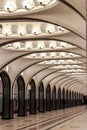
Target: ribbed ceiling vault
[44,40]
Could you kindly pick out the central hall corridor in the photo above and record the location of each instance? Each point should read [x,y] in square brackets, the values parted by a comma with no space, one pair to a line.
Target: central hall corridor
[43,64]
[65,119]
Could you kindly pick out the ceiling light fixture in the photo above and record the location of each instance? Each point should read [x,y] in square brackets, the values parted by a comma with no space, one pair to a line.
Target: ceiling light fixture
[61,28]
[50,29]
[40,45]
[43,2]
[8,45]
[33,55]
[27,4]
[52,54]
[6,32]
[43,55]
[8,7]
[62,54]
[52,45]
[36,31]
[28,45]
[16,45]
[63,44]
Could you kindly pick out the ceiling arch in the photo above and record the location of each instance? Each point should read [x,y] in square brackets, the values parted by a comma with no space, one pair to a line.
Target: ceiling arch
[54,33]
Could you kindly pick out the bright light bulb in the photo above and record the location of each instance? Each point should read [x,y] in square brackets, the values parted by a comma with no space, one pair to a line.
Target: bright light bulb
[40,45]
[52,54]
[63,44]
[61,61]
[71,54]
[36,31]
[62,54]
[61,28]
[43,55]
[21,29]
[28,45]
[27,4]
[17,45]
[8,45]
[50,28]
[10,6]
[6,30]
[53,61]
[43,2]
[52,45]
[33,55]
[69,61]
[22,32]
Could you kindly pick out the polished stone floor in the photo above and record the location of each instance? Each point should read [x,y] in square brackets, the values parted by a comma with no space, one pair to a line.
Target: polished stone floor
[67,119]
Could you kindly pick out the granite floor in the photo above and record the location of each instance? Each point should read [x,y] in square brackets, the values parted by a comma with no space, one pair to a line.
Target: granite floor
[67,119]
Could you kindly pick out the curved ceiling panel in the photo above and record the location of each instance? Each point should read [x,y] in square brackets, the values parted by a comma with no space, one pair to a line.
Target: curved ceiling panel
[78,5]
[29,29]
[21,7]
[44,40]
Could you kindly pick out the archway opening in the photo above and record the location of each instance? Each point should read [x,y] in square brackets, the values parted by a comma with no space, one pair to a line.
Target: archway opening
[48,98]
[67,97]
[72,101]
[63,99]
[33,101]
[70,98]
[15,96]
[54,106]
[7,102]
[41,98]
[59,98]
[22,108]
[75,98]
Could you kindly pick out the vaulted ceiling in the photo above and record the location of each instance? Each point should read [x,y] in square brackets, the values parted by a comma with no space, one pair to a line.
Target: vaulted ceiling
[44,40]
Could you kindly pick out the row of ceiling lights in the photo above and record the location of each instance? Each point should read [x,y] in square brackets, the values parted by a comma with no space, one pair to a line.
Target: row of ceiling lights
[69,66]
[53,55]
[13,5]
[39,45]
[61,62]
[30,4]
[73,70]
[23,29]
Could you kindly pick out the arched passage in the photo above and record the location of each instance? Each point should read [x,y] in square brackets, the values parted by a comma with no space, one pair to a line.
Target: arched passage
[59,98]
[67,99]
[48,98]
[79,98]
[63,98]
[41,98]
[75,99]
[54,98]
[33,102]
[7,102]
[70,98]
[22,108]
